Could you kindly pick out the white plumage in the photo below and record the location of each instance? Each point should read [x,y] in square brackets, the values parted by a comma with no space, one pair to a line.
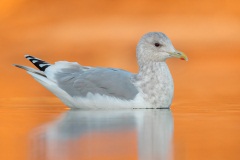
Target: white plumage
[88,87]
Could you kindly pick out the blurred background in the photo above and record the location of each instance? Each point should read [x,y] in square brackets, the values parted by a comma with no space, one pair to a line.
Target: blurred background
[105,33]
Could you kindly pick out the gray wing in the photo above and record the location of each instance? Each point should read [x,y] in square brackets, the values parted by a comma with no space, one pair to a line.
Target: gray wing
[104,81]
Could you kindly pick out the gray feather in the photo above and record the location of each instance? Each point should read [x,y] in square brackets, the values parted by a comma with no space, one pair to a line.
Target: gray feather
[104,81]
[30,69]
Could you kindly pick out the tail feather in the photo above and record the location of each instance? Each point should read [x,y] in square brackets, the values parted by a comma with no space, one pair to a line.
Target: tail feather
[55,89]
[40,64]
[40,76]
[29,69]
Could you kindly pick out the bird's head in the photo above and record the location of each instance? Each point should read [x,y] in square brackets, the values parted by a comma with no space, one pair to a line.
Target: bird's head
[157,47]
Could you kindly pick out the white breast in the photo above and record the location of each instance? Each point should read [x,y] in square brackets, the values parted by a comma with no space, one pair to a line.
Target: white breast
[156,83]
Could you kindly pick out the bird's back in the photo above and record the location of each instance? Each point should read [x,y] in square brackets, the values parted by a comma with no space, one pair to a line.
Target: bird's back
[78,80]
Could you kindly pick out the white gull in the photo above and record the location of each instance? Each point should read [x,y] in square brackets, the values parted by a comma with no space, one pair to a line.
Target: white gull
[88,87]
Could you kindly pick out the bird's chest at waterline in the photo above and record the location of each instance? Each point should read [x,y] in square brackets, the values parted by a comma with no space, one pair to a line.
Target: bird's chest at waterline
[157,85]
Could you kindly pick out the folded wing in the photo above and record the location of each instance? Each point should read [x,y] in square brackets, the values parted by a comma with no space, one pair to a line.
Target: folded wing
[78,81]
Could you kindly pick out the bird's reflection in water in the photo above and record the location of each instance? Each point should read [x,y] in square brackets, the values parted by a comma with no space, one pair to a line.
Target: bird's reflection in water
[105,134]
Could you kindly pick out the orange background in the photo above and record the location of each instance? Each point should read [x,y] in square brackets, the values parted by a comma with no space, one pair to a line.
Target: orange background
[105,33]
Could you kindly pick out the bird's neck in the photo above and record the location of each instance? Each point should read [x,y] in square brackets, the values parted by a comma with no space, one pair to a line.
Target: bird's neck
[156,83]
[154,69]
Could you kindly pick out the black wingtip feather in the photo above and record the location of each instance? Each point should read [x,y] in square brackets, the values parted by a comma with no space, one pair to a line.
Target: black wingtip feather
[40,64]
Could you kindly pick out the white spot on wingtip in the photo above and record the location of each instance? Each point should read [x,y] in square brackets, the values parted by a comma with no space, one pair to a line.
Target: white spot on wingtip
[42,65]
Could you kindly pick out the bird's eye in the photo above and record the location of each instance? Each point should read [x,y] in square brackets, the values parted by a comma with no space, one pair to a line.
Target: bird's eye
[157,44]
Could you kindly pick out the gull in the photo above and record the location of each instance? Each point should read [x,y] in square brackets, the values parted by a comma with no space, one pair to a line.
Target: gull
[87,87]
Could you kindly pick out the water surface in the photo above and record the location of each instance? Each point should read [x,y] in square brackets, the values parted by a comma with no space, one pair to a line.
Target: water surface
[50,131]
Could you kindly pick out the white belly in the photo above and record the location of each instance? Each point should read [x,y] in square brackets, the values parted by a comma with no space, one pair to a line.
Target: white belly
[95,101]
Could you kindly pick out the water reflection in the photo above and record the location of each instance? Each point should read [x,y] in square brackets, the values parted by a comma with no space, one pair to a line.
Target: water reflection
[105,134]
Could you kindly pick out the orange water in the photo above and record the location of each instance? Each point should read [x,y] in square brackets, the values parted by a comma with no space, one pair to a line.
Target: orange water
[47,130]
[203,122]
